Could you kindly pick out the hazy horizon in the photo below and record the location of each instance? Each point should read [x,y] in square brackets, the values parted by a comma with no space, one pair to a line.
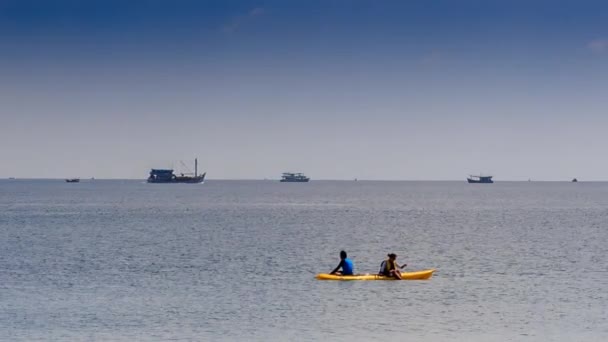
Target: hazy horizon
[374,90]
[463,180]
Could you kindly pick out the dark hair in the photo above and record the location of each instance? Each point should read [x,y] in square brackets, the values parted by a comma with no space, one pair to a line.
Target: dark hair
[343,254]
[392,255]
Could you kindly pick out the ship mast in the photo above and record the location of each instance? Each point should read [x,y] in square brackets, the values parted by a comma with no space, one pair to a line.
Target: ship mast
[195,166]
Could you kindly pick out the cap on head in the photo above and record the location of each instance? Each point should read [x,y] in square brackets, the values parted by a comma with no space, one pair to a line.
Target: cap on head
[342,254]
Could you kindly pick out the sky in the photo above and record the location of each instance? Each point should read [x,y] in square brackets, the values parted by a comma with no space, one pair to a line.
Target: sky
[379,90]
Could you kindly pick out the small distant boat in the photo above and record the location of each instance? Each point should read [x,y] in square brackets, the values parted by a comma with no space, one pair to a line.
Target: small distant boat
[294,177]
[480,179]
[11,177]
[73,180]
[167,176]
[574,180]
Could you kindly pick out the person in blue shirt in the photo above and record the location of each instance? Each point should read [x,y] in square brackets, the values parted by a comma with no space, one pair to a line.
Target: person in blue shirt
[348,268]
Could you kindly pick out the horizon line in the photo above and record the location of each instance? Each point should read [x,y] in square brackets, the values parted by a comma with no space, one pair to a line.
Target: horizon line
[312,180]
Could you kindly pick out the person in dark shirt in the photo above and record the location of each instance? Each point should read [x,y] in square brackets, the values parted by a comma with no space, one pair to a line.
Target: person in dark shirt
[346,264]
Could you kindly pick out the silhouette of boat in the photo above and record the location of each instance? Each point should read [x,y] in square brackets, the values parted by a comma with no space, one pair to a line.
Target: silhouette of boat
[480,179]
[167,176]
[289,177]
[574,180]
[73,180]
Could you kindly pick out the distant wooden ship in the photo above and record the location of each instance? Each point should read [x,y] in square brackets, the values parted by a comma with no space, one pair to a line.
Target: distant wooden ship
[167,176]
[73,180]
[289,177]
[480,179]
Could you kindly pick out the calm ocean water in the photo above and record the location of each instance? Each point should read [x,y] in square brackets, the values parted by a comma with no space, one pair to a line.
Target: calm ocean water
[235,261]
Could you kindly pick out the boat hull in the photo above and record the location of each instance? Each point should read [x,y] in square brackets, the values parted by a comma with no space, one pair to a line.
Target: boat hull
[295,181]
[418,275]
[186,180]
[474,181]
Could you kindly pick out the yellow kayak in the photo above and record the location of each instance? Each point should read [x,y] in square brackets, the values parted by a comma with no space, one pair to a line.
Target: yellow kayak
[418,275]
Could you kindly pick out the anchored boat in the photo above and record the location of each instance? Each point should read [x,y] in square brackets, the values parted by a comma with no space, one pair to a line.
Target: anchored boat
[294,177]
[480,179]
[167,176]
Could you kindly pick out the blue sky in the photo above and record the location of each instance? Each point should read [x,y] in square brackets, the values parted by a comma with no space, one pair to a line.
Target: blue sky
[337,89]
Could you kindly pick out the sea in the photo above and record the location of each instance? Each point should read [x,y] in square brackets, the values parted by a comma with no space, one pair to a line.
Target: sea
[122,260]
